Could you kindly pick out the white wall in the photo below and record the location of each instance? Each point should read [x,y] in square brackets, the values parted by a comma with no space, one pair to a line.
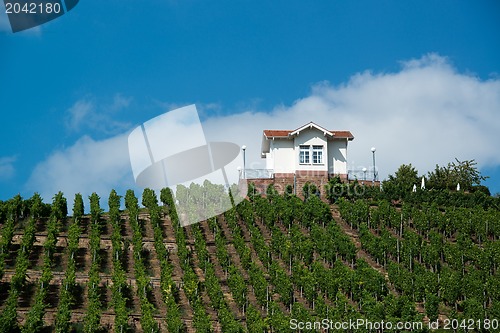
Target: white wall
[282,156]
[311,136]
[337,156]
[269,160]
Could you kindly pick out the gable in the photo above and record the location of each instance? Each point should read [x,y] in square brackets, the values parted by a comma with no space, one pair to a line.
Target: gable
[310,136]
[268,135]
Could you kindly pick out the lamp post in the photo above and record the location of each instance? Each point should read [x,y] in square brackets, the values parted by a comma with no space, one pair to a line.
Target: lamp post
[364,173]
[244,148]
[374,170]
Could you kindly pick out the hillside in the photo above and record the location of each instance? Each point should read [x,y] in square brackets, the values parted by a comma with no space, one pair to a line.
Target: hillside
[268,264]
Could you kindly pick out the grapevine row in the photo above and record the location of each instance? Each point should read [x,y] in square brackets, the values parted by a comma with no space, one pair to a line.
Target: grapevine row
[168,286]
[191,284]
[424,264]
[8,318]
[66,295]
[143,281]
[119,276]
[93,316]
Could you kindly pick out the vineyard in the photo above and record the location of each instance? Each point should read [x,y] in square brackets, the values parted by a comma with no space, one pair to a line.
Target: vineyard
[273,260]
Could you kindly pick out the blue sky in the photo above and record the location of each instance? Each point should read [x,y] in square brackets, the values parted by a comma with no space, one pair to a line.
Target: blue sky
[418,79]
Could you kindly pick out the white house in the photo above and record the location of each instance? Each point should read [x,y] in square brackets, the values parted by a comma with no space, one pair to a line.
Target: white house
[310,151]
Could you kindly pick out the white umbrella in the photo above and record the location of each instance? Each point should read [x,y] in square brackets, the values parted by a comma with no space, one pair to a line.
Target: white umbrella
[422,186]
[458,186]
[414,187]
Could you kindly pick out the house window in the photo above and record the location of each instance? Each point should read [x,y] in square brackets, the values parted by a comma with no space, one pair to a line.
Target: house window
[317,154]
[304,155]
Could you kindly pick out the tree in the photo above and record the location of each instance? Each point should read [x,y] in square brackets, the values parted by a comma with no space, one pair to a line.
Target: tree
[464,173]
[400,184]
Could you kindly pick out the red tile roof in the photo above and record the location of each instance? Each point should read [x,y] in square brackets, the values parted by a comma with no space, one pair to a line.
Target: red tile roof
[284,134]
[343,134]
[277,133]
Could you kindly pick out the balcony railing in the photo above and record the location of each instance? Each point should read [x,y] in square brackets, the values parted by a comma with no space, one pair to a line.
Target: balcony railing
[352,174]
[360,175]
[257,173]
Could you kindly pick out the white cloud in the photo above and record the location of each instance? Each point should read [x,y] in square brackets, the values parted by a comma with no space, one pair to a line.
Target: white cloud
[85,114]
[425,114]
[119,102]
[205,110]
[7,169]
[77,114]
[87,166]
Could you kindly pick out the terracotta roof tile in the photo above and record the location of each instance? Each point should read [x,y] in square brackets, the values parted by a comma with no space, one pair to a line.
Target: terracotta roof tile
[284,134]
[277,133]
[343,134]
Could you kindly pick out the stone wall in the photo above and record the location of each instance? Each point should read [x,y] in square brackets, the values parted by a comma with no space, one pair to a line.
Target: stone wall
[261,184]
[281,180]
[318,178]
